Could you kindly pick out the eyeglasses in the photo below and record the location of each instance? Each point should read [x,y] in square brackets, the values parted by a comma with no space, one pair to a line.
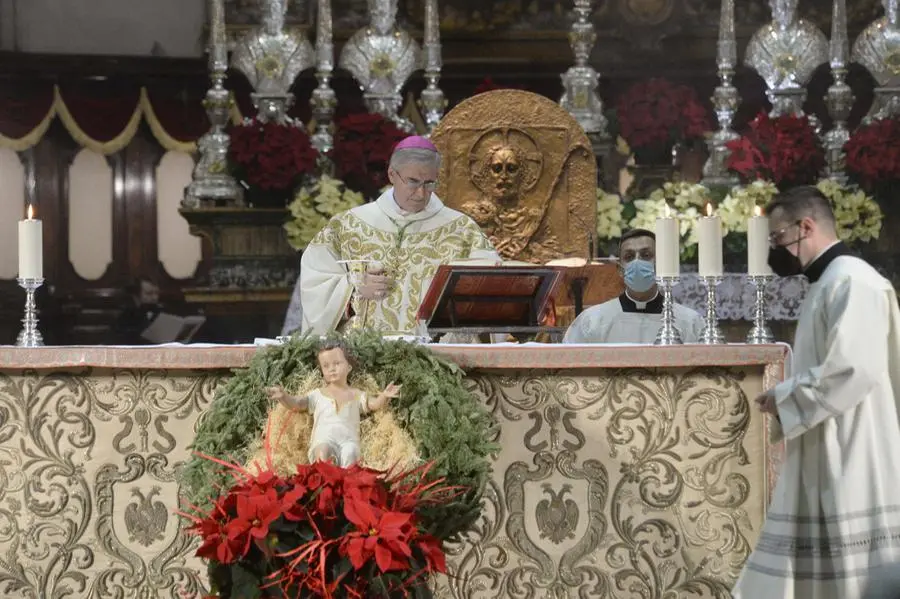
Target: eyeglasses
[775,236]
[415,184]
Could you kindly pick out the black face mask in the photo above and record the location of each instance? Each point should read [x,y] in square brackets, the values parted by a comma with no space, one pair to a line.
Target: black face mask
[783,263]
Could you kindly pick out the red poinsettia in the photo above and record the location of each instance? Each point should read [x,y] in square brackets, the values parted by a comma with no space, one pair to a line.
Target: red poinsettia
[322,532]
[655,115]
[270,156]
[784,150]
[362,149]
[873,153]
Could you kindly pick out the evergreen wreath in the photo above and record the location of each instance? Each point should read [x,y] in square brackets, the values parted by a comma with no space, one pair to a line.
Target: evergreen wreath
[449,425]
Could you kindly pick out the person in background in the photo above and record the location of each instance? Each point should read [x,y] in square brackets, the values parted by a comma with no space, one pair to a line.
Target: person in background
[141,309]
[636,315]
[832,529]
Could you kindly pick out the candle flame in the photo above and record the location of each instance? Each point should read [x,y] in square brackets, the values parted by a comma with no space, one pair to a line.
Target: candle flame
[30,212]
[708,209]
[757,211]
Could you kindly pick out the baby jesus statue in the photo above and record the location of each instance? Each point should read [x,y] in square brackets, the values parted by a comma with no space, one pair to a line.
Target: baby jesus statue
[335,408]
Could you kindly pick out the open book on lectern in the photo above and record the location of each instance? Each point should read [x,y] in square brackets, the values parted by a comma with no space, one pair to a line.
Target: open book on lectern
[488,296]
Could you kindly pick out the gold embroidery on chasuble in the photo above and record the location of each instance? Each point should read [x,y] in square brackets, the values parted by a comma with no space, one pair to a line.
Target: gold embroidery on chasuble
[409,257]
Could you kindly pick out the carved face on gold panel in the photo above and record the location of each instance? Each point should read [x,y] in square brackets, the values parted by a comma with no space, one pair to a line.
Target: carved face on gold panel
[506,173]
[505,164]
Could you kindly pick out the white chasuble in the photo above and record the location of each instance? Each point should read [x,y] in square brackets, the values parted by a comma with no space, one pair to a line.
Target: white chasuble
[623,320]
[835,512]
[410,246]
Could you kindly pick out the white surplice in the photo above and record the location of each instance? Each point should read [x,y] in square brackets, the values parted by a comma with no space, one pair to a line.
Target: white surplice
[624,320]
[410,246]
[835,513]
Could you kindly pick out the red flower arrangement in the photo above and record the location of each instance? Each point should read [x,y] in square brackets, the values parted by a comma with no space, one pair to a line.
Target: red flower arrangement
[873,154]
[784,150]
[271,157]
[326,531]
[655,115]
[362,149]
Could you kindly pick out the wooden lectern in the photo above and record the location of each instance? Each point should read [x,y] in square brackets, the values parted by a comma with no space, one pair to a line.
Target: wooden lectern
[586,285]
[489,299]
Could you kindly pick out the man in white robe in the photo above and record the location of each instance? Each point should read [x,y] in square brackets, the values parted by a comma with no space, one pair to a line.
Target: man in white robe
[834,519]
[372,265]
[636,315]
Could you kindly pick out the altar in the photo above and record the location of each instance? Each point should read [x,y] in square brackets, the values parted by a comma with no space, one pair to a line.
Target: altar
[623,471]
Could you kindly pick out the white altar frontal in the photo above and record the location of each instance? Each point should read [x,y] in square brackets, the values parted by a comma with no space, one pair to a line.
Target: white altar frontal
[624,471]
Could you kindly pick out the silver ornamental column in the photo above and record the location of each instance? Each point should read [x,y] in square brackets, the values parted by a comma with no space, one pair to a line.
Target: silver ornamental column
[725,101]
[323,100]
[839,97]
[580,97]
[877,49]
[210,179]
[432,101]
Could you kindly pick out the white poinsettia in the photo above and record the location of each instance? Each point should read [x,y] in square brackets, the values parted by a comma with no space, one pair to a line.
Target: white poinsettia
[685,201]
[858,217]
[741,202]
[314,205]
[609,215]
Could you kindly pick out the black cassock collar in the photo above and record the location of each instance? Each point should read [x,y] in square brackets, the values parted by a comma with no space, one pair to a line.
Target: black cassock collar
[654,306]
[817,267]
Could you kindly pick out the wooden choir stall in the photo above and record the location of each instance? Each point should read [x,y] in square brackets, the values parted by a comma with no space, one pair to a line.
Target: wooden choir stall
[623,470]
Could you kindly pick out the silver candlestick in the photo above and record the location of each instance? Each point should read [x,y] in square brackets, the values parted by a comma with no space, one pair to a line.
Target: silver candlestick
[668,332]
[760,334]
[432,101]
[580,96]
[726,100]
[323,99]
[711,334]
[839,98]
[30,336]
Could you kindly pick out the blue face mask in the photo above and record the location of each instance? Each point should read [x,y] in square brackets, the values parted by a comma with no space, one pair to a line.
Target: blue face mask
[640,275]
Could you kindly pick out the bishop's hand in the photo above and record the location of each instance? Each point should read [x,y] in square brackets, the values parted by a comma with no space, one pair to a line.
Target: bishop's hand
[375,283]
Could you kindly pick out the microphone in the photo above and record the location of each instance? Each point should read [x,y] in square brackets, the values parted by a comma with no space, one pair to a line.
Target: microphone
[591,233]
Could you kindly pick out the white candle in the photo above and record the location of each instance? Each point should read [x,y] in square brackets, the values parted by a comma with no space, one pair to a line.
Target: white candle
[758,245]
[709,235]
[31,247]
[668,246]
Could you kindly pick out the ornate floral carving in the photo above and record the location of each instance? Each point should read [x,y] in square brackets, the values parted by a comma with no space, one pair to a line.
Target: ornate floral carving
[672,496]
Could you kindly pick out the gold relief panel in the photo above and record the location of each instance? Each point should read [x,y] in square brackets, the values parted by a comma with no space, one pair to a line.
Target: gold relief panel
[89,465]
[618,483]
[523,169]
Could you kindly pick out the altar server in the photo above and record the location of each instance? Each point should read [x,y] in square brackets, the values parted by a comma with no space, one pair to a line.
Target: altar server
[396,243]
[636,315]
[834,519]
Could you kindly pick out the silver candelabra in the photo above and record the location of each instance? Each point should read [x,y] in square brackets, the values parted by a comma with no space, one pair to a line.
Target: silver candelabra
[668,332]
[712,334]
[760,334]
[30,336]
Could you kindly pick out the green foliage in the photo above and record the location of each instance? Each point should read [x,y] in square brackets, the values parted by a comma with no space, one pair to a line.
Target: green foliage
[449,425]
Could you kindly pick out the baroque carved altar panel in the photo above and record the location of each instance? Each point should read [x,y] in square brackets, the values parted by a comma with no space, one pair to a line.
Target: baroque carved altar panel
[647,475]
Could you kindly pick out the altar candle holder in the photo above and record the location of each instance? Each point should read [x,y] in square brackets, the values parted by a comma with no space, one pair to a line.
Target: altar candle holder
[712,334]
[668,333]
[760,334]
[30,336]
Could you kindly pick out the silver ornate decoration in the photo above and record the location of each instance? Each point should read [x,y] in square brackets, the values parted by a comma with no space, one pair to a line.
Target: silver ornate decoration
[432,101]
[760,334]
[323,100]
[382,57]
[878,49]
[210,179]
[668,333]
[271,59]
[785,53]
[30,336]
[839,97]
[580,97]
[711,334]
[725,100]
